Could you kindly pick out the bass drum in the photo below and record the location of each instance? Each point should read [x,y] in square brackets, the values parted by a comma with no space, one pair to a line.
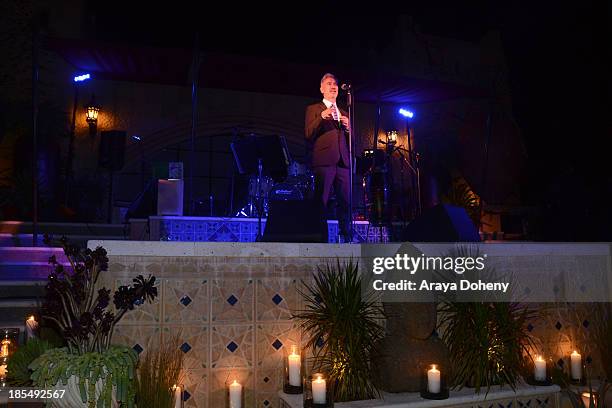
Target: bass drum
[265,185]
[285,192]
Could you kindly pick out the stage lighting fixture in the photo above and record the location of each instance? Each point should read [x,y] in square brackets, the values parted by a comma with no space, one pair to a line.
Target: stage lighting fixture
[406,113]
[81,78]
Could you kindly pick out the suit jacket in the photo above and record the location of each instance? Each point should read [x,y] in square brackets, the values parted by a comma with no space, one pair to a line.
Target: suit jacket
[329,142]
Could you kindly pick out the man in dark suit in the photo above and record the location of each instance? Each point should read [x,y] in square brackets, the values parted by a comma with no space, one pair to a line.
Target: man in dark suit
[327,132]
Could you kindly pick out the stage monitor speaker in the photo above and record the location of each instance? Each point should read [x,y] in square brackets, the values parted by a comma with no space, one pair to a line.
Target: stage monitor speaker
[112,149]
[295,221]
[442,223]
[170,197]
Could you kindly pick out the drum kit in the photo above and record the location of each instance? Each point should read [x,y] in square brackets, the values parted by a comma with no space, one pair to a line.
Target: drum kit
[298,185]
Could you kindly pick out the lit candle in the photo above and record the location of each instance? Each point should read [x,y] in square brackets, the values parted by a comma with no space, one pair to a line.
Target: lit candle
[433,380]
[2,371]
[586,399]
[294,367]
[540,369]
[31,328]
[178,396]
[235,395]
[318,390]
[576,363]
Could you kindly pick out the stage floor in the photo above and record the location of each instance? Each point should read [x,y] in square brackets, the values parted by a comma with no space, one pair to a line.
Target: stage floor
[219,229]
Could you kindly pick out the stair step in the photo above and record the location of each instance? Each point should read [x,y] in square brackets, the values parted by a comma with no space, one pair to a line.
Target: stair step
[23,303]
[24,271]
[34,254]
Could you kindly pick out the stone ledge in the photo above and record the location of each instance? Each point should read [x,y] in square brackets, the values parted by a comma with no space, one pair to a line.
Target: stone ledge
[457,398]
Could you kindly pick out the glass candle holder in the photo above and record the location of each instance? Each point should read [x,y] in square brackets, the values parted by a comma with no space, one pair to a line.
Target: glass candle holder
[9,339]
[433,382]
[234,394]
[318,391]
[587,396]
[293,368]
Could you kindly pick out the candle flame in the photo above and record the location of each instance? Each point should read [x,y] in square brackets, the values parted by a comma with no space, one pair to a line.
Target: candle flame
[575,353]
[433,366]
[235,382]
[294,349]
[31,318]
[539,358]
[319,377]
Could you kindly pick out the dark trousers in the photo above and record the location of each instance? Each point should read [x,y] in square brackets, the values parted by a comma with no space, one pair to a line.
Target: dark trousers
[338,177]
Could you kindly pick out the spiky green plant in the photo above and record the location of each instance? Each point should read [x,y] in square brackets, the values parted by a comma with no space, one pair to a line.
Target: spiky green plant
[342,327]
[487,342]
[17,366]
[487,336]
[158,371]
[602,335]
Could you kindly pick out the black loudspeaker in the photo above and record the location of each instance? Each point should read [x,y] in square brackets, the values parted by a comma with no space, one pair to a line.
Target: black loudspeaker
[442,223]
[295,221]
[112,149]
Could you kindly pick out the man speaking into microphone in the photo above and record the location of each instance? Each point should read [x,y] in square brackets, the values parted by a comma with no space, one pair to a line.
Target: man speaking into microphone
[327,131]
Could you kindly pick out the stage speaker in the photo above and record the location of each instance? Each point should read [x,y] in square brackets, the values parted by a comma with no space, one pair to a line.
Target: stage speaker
[295,221]
[170,197]
[442,223]
[112,149]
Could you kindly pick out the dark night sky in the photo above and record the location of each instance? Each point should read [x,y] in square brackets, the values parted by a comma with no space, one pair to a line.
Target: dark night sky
[555,54]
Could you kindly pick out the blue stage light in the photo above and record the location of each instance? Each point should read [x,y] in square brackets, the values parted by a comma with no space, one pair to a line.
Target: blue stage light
[406,113]
[81,78]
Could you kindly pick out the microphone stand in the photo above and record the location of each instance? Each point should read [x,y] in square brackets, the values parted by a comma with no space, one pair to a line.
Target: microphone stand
[416,171]
[351,110]
[258,200]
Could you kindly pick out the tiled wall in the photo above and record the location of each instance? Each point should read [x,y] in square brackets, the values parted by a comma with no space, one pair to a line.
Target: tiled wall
[214,229]
[232,312]
[232,315]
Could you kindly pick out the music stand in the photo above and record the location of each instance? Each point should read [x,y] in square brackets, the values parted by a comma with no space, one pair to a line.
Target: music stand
[256,154]
[271,149]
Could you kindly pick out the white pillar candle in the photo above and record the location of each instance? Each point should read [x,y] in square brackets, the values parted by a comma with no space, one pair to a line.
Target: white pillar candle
[31,328]
[318,390]
[235,395]
[433,380]
[178,396]
[540,369]
[576,365]
[294,368]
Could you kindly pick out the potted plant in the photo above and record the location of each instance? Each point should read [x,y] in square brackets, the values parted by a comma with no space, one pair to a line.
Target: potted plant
[342,328]
[488,340]
[94,372]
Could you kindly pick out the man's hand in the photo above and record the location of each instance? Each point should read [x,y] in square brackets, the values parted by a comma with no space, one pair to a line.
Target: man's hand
[327,114]
[345,121]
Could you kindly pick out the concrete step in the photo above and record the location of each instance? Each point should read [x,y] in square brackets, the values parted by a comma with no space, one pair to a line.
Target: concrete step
[24,271]
[22,289]
[33,254]
[13,240]
[23,303]
[66,228]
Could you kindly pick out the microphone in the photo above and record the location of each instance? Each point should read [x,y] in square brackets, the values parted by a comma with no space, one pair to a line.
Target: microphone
[344,87]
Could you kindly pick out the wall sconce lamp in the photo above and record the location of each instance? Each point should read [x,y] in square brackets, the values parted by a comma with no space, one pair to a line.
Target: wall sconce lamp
[92,115]
[392,137]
